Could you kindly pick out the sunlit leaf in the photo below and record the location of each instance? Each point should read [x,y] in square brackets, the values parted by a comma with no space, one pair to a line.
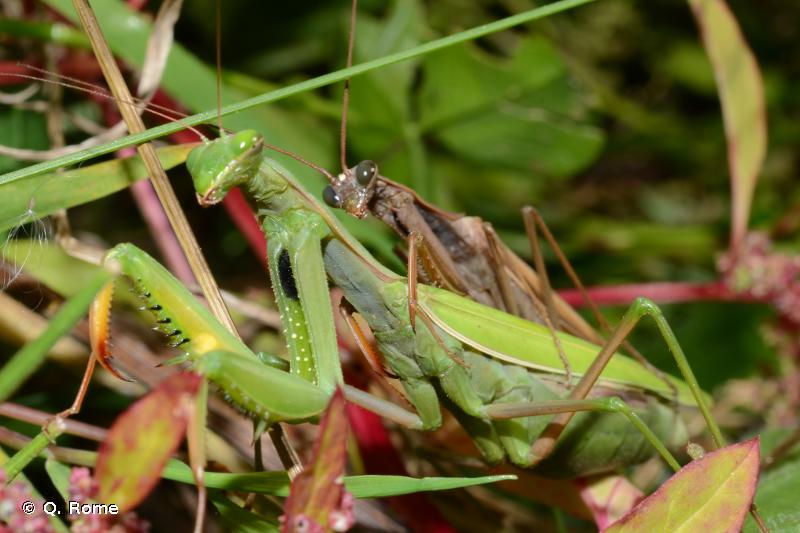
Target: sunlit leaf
[713,493]
[142,439]
[741,94]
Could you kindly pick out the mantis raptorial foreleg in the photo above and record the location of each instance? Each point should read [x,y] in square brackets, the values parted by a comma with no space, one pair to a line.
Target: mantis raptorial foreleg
[301,291]
[253,384]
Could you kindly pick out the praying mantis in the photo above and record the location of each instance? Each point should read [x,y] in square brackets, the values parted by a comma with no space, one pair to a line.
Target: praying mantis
[436,358]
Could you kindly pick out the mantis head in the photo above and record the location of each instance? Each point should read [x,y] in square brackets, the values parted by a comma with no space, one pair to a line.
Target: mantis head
[352,190]
[218,166]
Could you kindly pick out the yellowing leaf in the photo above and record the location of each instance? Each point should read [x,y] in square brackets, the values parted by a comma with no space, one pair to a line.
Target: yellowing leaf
[741,94]
[142,439]
[713,493]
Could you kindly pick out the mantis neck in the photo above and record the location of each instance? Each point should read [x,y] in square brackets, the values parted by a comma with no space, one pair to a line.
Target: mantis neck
[270,191]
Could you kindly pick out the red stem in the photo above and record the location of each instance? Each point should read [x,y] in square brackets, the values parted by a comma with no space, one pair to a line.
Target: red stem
[661,292]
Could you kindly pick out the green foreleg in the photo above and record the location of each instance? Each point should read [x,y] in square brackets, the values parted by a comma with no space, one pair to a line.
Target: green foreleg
[261,390]
[301,290]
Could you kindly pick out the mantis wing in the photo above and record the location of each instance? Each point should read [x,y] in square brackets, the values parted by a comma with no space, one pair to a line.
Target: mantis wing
[518,341]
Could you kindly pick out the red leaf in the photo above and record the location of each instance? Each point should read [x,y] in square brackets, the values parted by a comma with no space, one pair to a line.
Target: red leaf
[142,439]
[608,497]
[317,499]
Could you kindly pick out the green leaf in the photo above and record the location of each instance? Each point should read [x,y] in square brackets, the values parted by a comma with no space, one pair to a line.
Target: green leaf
[713,493]
[778,488]
[238,520]
[741,93]
[142,439]
[50,264]
[519,114]
[38,196]
[381,97]
[20,128]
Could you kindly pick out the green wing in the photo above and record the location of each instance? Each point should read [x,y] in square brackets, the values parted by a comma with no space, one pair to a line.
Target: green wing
[518,341]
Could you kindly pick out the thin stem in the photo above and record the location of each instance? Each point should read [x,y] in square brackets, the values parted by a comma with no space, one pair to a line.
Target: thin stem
[31,451]
[39,418]
[157,175]
[661,292]
[218,45]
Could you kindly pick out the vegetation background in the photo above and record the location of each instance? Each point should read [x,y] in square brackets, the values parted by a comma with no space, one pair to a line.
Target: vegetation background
[606,118]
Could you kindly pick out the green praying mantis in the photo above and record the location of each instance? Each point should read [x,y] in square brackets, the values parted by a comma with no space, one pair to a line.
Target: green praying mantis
[475,360]
[453,354]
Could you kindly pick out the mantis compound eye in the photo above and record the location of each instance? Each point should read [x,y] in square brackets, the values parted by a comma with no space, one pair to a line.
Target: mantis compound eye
[331,198]
[366,172]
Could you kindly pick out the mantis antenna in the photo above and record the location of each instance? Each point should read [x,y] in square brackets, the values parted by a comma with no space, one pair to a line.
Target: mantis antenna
[346,96]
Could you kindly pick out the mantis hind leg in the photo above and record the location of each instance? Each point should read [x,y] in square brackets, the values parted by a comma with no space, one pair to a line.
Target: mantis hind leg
[596,444]
[535,223]
[545,444]
[546,312]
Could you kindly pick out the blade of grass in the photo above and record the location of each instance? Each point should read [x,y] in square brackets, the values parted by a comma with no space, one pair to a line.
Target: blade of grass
[275,483]
[25,362]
